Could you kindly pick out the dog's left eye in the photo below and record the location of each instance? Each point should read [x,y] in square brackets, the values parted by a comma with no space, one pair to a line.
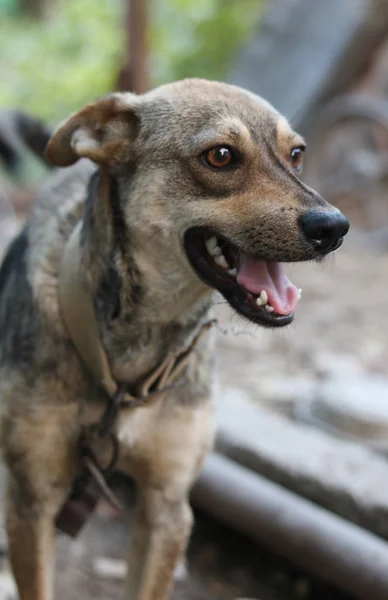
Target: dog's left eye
[219,157]
[297,158]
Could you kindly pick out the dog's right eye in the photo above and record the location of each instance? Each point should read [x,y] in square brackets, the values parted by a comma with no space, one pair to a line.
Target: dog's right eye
[219,157]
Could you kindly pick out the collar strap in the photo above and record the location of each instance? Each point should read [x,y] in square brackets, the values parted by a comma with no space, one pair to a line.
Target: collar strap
[79,316]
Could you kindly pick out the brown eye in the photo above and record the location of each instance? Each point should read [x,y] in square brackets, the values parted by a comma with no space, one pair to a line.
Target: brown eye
[219,157]
[297,158]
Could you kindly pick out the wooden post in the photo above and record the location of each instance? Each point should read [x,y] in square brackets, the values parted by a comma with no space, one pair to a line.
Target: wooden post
[134,76]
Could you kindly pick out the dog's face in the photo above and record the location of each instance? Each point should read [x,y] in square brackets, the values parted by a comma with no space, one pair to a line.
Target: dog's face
[216,169]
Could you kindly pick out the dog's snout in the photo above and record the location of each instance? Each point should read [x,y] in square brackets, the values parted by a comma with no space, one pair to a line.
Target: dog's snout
[324,230]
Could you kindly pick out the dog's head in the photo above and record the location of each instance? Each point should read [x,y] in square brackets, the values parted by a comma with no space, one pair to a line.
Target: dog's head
[215,169]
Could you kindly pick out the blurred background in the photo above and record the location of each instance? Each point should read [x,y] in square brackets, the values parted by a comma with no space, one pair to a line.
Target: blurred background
[318,390]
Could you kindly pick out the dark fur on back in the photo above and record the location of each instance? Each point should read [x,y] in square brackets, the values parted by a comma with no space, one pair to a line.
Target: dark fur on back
[18,311]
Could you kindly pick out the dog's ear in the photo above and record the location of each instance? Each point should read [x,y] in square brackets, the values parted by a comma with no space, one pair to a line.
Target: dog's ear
[102,131]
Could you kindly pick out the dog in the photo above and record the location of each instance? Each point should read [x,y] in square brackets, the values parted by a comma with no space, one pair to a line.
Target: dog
[161,199]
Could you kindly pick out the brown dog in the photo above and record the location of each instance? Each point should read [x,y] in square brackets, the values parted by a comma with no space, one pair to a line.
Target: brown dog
[196,188]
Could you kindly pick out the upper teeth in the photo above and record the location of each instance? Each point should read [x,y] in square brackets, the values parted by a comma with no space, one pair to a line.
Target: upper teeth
[213,247]
[221,261]
[215,251]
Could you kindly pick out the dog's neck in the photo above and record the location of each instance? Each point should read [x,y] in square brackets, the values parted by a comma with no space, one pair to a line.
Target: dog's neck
[147,300]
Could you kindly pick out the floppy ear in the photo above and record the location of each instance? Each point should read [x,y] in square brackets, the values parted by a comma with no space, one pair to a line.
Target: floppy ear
[102,131]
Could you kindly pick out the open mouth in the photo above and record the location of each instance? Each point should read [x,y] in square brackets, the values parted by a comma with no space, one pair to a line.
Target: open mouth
[256,288]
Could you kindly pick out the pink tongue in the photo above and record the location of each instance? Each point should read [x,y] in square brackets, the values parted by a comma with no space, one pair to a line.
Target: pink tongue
[258,275]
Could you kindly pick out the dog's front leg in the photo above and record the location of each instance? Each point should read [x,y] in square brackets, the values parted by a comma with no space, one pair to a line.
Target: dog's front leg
[41,456]
[31,551]
[159,540]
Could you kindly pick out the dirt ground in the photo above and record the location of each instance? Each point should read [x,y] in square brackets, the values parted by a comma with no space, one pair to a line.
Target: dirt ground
[222,565]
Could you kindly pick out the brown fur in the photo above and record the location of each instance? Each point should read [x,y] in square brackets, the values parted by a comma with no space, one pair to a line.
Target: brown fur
[149,188]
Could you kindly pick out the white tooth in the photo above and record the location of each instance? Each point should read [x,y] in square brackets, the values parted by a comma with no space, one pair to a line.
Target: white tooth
[217,251]
[232,272]
[211,244]
[264,297]
[220,260]
[269,308]
[299,293]
[258,302]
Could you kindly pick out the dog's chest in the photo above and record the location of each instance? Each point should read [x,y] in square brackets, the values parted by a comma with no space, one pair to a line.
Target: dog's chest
[164,439]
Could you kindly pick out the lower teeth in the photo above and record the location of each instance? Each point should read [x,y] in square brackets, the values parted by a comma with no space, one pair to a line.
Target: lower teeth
[262,301]
[216,253]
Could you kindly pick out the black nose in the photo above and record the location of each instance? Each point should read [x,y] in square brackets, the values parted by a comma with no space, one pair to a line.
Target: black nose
[324,230]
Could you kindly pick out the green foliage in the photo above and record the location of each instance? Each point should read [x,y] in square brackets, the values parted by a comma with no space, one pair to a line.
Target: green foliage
[8,7]
[53,67]
[199,38]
